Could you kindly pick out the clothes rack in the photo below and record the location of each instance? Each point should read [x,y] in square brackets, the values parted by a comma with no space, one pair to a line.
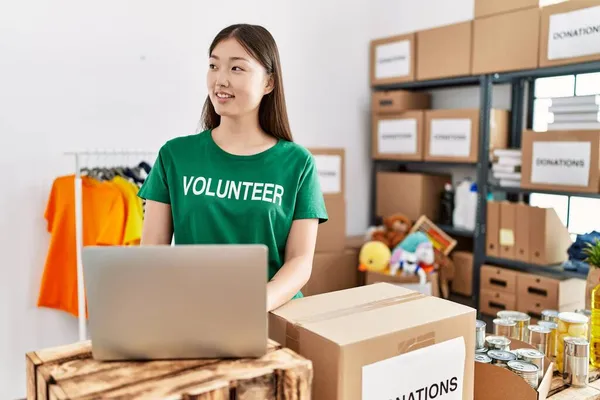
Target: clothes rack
[77,155]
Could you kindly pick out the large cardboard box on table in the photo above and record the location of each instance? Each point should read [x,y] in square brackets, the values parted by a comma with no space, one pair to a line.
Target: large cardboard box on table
[561,160]
[569,33]
[506,42]
[453,135]
[444,51]
[393,59]
[380,341]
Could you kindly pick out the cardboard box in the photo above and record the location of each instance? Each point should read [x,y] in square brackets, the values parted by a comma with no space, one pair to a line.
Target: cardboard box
[550,239]
[453,135]
[506,235]
[569,33]
[522,232]
[462,283]
[496,383]
[331,168]
[412,194]
[397,101]
[332,271]
[561,160]
[497,279]
[444,51]
[537,293]
[486,8]
[393,59]
[506,42]
[492,238]
[372,277]
[361,340]
[331,236]
[398,136]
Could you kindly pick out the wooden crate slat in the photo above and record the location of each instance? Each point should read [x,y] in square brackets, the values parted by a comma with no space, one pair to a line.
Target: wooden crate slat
[49,371]
[215,377]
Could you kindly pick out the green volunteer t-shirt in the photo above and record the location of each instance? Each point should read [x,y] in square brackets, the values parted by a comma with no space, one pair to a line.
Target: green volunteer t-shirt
[220,198]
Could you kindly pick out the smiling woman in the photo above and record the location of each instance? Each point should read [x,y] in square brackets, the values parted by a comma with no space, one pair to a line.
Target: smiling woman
[227,184]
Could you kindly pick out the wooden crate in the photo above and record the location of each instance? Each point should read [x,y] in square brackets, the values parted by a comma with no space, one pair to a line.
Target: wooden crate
[70,372]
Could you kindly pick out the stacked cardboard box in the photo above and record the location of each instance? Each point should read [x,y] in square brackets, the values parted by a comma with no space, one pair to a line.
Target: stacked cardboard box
[503,289]
[334,265]
[563,161]
[406,128]
[505,35]
[517,231]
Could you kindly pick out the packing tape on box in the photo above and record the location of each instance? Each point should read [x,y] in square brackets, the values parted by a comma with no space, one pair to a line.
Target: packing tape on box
[292,327]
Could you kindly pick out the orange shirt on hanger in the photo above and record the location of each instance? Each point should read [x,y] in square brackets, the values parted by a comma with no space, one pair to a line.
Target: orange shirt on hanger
[103,224]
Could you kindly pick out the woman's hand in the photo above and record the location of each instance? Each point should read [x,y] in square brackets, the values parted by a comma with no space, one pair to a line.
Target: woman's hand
[297,268]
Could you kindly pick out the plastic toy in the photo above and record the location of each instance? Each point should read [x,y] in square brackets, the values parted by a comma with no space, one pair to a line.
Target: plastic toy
[374,256]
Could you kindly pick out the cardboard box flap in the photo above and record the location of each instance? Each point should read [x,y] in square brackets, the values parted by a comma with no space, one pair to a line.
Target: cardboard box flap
[507,384]
[371,311]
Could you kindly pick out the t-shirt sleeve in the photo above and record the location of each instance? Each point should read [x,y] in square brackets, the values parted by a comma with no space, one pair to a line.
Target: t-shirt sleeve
[51,207]
[156,185]
[309,200]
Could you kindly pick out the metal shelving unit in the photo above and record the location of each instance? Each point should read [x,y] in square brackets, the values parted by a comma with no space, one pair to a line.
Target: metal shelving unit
[519,81]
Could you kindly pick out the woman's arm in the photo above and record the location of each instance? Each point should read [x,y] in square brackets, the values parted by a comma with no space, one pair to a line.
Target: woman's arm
[158,224]
[297,267]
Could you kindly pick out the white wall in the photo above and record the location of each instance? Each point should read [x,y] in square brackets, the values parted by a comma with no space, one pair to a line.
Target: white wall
[131,75]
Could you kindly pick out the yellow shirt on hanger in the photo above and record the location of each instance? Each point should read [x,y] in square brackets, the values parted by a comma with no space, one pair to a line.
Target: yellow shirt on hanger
[134,214]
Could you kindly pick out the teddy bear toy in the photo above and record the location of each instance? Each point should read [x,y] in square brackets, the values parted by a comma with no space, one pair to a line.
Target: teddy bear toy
[392,232]
[412,255]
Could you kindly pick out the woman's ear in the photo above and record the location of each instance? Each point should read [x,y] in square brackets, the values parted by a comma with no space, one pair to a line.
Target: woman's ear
[270,84]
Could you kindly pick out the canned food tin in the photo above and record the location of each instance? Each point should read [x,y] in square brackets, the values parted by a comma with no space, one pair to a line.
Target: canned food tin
[550,315]
[522,321]
[534,357]
[479,334]
[498,343]
[539,337]
[505,327]
[501,358]
[570,324]
[576,369]
[483,358]
[482,350]
[552,338]
[529,372]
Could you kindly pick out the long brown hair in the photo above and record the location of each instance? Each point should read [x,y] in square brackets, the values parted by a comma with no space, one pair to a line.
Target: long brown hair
[260,44]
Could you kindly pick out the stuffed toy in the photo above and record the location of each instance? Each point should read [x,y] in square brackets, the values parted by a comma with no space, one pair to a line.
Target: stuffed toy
[392,232]
[413,255]
[374,256]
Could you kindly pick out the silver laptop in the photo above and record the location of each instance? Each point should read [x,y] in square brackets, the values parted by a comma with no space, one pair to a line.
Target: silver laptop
[174,302]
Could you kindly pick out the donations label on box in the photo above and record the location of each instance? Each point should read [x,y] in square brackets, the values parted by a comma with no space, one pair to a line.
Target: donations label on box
[574,34]
[418,374]
[397,136]
[393,60]
[450,137]
[329,169]
[561,163]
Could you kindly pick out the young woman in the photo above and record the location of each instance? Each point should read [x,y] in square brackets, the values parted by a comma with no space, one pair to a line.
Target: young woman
[242,180]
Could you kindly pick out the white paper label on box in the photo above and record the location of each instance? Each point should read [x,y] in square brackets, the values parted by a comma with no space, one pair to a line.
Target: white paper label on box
[561,163]
[392,60]
[450,137]
[329,169]
[397,136]
[574,34]
[433,372]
